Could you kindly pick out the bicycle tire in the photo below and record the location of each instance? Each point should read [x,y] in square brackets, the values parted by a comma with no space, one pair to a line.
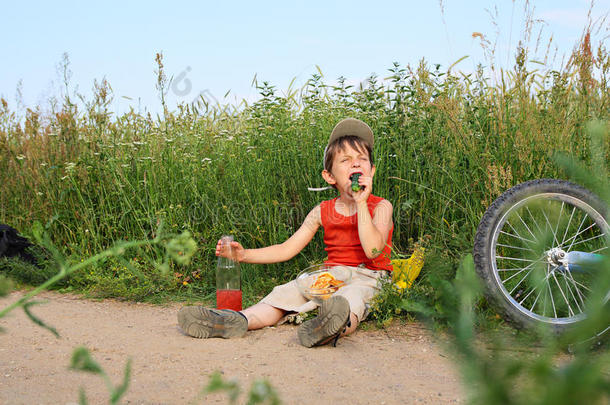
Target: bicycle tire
[517,263]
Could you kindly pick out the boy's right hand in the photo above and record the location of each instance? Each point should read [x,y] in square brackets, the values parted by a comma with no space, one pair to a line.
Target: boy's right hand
[237,249]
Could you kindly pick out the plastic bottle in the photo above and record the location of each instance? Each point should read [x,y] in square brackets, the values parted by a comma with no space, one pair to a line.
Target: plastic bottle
[228,279]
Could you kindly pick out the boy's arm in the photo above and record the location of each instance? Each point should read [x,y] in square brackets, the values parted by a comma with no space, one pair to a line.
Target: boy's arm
[373,232]
[292,246]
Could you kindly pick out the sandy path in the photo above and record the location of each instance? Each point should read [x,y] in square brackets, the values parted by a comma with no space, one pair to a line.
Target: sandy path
[402,364]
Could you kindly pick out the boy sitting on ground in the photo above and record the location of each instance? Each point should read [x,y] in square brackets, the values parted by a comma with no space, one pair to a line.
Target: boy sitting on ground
[357,233]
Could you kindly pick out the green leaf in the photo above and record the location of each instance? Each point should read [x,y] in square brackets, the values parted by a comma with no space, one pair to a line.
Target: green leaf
[119,391]
[82,361]
[181,248]
[217,383]
[6,286]
[417,307]
[36,320]
[82,397]
[38,231]
[260,392]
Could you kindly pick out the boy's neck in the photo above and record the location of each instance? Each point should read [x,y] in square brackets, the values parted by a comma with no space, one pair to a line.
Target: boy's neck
[347,202]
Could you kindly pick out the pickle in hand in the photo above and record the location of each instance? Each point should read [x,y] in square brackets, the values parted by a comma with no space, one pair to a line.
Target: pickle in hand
[354,178]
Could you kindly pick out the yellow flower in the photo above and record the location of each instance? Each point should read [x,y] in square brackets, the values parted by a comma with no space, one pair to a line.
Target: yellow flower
[401,284]
[185,282]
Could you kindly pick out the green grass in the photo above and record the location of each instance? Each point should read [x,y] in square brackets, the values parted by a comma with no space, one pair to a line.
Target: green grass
[447,144]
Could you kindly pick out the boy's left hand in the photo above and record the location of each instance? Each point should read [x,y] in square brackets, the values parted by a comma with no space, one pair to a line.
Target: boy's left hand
[363,194]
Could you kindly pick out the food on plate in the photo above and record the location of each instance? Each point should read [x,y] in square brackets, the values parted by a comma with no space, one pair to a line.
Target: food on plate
[325,285]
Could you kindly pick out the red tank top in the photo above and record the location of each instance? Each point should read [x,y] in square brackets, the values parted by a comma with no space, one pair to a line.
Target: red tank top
[342,241]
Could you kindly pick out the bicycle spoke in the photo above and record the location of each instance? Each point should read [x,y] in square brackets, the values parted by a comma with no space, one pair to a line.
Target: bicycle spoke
[570,278]
[515,247]
[567,280]
[524,224]
[516,274]
[563,295]
[534,219]
[520,281]
[587,240]
[542,282]
[578,232]
[536,300]
[527,296]
[517,237]
[563,239]
[600,249]
[552,300]
[559,221]
[548,223]
[582,285]
[515,231]
[573,238]
[519,259]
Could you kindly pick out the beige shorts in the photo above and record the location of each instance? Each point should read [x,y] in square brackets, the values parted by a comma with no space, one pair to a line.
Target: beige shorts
[365,284]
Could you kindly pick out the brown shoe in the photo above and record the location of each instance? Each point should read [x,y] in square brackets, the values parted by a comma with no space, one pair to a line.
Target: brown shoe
[331,321]
[202,322]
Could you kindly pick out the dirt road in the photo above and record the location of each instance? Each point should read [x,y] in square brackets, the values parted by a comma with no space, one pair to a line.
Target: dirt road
[403,364]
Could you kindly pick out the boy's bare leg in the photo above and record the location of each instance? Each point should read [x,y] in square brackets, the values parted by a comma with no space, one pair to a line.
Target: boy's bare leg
[261,315]
[354,324]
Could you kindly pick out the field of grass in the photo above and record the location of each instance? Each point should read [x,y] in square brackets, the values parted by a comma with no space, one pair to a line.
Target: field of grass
[447,144]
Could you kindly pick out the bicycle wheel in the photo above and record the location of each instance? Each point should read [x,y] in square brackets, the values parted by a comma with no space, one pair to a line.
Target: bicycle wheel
[526,247]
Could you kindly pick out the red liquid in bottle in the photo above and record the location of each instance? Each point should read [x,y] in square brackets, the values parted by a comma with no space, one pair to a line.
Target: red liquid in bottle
[228,299]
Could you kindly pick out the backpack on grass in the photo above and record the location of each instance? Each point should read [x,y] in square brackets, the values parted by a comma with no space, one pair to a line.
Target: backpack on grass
[12,245]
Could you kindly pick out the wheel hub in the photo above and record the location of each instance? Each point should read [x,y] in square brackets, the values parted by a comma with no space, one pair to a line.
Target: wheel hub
[557,257]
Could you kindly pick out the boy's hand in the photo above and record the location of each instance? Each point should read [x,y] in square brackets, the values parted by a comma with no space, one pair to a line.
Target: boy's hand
[363,194]
[238,251]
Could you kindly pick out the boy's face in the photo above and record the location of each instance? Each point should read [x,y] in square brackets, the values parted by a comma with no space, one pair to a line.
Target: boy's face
[345,163]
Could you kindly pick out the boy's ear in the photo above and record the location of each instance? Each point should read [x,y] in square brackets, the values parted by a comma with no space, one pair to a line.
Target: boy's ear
[373,171]
[328,176]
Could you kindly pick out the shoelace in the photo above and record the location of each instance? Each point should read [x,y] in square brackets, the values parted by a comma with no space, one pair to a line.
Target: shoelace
[347,325]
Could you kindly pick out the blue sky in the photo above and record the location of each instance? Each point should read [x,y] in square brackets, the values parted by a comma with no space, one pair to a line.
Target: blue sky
[221,46]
